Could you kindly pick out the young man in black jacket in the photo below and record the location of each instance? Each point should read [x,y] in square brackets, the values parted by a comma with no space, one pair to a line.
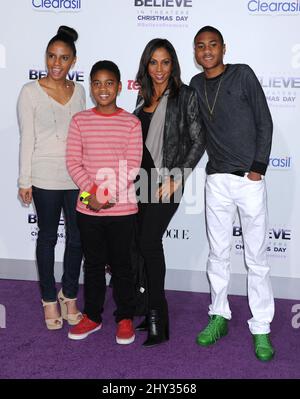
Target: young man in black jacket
[239,136]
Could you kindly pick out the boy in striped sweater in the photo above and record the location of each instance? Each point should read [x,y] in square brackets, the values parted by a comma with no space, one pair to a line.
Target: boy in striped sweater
[104,151]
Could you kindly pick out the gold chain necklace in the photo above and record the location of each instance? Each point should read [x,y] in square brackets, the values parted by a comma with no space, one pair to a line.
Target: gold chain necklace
[211,109]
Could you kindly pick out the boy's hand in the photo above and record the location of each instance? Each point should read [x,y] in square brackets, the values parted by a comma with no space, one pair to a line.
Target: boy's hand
[109,204]
[93,204]
[254,176]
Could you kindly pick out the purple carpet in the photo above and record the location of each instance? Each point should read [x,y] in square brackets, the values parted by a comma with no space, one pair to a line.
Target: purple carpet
[29,350]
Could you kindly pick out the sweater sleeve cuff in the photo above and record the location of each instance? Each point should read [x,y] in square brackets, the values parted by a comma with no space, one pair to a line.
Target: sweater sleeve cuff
[24,182]
[259,167]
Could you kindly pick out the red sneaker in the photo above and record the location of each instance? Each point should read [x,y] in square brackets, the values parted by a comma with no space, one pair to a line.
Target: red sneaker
[125,332]
[84,328]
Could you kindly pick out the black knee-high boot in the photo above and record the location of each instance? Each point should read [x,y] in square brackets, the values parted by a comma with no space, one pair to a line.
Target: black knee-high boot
[158,328]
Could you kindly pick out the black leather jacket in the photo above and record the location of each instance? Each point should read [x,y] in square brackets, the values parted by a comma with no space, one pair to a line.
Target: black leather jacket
[184,138]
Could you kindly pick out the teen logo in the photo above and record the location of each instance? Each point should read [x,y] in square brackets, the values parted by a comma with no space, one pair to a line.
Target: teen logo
[34,74]
[271,7]
[162,13]
[132,85]
[280,163]
[2,56]
[56,5]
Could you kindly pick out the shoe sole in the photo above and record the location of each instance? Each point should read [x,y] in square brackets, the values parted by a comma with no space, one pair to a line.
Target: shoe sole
[125,341]
[264,359]
[85,335]
[52,328]
[146,345]
[211,343]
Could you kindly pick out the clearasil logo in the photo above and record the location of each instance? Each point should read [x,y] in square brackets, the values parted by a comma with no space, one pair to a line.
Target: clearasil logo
[56,5]
[280,163]
[271,7]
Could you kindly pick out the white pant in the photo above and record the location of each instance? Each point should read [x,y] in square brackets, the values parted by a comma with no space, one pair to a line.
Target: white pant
[225,193]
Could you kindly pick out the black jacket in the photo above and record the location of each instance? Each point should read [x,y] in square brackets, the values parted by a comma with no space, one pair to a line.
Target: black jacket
[184,139]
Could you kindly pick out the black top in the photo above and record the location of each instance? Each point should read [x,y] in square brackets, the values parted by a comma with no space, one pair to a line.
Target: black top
[145,118]
[239,132]
[146,187]
[184,140]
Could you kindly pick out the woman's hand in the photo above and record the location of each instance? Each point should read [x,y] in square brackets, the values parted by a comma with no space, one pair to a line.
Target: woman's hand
[26,195]
[167,189]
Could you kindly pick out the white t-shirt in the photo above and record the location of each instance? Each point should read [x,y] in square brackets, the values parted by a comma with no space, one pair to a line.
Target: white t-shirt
[44,125]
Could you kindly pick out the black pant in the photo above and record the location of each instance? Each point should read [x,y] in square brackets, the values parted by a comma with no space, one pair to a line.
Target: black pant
[153,219]
[107,239]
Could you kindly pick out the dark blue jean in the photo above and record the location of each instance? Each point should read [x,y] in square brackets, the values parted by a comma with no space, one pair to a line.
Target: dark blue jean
[48,204]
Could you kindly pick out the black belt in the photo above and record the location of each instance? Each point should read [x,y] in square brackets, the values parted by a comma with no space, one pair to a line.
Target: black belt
[238,173]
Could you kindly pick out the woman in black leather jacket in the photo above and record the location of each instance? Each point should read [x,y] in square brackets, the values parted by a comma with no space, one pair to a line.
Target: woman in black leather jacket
[173,145]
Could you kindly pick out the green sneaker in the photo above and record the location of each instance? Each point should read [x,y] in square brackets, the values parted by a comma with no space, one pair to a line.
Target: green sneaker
[216,328]
[263,348]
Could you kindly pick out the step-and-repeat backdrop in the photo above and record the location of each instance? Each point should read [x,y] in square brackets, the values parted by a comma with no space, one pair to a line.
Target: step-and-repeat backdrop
[263,34]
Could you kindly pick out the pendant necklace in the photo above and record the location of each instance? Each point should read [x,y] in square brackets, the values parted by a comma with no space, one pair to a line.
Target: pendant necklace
[67,110]
[211,108]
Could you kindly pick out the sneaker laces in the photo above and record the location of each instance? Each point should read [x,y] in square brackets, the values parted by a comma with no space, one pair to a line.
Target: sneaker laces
[85,321]
[212,328]
[263,341]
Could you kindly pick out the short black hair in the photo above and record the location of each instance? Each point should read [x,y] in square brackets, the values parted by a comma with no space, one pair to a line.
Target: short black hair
[210,29]
[107,66]
[143,77]
[66,35]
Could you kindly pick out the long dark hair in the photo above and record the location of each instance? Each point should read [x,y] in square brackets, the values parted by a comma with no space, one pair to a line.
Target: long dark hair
[66,35]
[143,77]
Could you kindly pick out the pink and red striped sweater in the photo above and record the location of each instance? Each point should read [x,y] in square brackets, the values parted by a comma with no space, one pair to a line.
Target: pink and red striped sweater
[106,150]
